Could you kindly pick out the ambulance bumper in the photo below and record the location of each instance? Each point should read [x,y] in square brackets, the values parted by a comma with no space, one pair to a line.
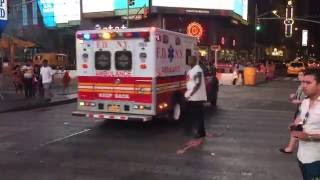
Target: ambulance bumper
[113,116]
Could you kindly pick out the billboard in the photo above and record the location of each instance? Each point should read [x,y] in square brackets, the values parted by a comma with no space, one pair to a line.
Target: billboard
[60,12]
[122,4]
[92,6]
[47,12]
[117,6]
[3,14]
[240,7]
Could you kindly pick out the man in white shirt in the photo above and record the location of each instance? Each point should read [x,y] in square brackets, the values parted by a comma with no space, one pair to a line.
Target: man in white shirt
[309,118]
[195,95]
[46,73]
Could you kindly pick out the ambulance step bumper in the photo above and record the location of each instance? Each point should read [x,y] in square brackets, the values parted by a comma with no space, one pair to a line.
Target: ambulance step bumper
[112,116]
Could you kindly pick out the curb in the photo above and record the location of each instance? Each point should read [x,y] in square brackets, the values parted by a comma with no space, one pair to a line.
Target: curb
[39,105]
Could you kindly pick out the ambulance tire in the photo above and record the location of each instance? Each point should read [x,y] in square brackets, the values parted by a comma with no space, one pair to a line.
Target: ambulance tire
[178,107]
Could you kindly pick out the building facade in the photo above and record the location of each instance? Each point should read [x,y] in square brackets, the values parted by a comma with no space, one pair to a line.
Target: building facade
[52,24]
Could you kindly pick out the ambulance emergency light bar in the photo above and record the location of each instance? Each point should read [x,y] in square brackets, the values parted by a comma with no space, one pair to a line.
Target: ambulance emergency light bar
[112,35]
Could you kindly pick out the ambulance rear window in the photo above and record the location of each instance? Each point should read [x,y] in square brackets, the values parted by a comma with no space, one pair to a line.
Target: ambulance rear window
[123,60]
[103,60]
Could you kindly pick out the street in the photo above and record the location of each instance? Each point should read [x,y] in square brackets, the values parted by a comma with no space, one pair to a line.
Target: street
[246,131]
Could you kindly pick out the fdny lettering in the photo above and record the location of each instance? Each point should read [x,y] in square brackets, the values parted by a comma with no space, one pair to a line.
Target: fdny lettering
[162,53]
[122,96]
[114,74]
[101,44]
[122,44]
[106,44]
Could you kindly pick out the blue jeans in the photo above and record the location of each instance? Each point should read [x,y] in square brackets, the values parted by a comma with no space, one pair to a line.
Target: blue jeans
[310,171]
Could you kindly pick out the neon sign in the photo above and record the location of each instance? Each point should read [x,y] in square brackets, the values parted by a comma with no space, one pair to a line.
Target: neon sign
[195,29]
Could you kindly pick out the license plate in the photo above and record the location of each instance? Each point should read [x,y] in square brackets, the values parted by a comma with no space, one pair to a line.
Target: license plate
[113,108]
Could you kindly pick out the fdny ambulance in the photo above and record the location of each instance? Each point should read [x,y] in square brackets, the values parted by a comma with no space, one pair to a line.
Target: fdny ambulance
[132,74]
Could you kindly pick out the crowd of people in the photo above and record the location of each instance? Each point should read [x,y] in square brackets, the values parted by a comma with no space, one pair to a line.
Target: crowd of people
[36,80]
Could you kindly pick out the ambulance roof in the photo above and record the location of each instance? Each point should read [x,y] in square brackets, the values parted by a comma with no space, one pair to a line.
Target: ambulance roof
[141,29]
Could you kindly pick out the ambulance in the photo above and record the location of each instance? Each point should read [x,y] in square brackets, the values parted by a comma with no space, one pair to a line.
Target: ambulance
[132,74]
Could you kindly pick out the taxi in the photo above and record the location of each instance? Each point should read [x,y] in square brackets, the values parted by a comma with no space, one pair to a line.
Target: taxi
[294,67]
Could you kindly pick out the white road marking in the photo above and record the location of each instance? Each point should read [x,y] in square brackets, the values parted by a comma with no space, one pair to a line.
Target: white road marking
[64,138]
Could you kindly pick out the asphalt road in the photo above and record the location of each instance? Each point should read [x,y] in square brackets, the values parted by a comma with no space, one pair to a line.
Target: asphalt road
[247,130]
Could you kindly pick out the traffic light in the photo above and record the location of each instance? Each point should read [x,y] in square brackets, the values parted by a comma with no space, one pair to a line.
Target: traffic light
[258,27]
[131,2]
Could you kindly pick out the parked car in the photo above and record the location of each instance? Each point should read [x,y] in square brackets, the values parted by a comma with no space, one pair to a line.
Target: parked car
[294,67]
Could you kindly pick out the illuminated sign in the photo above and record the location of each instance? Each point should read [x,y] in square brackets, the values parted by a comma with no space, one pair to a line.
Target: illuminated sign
[195,29]
[119,7]
[54,16]
[139,6]
[304,37]
[72,13]
[90,6]
[47,11]
[3,14]
[240,7]
[122,4]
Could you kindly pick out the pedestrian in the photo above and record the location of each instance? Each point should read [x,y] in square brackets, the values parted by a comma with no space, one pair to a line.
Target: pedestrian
[66,81]
[235,75]
[296,99]
[47,77]
[241,69]
[195,97]
[309,132]
[27,71]
[38,87]
[215,87]
[17,79]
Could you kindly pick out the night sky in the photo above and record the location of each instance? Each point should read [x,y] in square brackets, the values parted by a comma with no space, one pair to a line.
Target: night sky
[273,30]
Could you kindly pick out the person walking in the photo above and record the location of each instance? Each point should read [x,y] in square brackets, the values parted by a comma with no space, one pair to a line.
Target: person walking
[66,81]
[46,75]
[17,79]
[296,99]
[27,71]
[195,97]
[308,133]
[38,88]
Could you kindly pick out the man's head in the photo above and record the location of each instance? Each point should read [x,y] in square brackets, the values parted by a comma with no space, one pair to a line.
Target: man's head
[45,63]
[192,61]
[311,82]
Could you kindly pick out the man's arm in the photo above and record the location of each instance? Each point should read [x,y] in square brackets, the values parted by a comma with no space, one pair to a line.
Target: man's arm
[305,136]
[198,81]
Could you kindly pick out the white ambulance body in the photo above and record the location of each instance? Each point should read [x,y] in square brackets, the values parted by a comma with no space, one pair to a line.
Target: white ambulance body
[132,74]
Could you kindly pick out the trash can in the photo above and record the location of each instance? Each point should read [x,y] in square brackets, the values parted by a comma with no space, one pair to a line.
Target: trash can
[250,76]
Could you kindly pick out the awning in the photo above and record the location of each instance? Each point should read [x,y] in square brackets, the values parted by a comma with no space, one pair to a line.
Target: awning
[7,41]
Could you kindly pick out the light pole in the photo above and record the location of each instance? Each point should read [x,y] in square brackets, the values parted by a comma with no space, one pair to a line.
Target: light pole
[128,6]
[257,27]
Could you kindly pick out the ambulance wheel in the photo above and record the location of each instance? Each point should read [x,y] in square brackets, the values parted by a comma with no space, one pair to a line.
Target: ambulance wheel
[177,111]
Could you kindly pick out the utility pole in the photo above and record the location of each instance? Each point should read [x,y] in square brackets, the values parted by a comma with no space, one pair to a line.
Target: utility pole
[129,3]
[128,6]
[255,32]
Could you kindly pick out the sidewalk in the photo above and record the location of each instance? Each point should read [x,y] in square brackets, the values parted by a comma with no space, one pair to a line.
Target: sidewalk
[10,102]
